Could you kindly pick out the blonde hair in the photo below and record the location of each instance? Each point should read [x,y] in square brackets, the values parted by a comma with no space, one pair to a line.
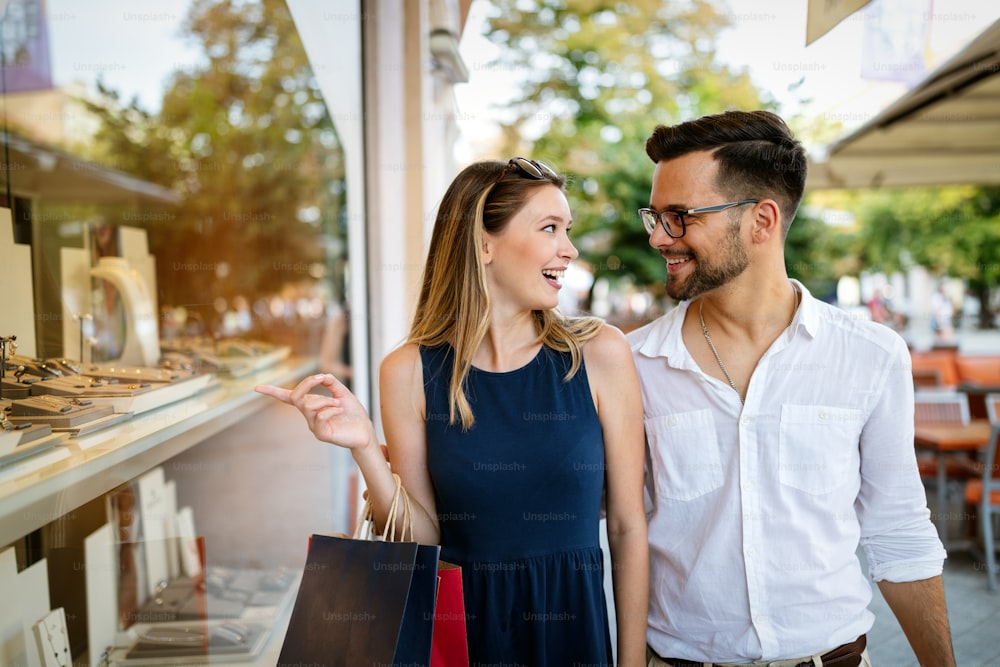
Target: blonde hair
[454,303]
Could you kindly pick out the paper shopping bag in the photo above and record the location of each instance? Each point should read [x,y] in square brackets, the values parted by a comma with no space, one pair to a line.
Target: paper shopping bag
[415,636]
[362,602]
[450,643]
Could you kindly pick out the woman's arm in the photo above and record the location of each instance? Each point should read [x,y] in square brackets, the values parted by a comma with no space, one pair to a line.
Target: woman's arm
[615,385]
[403,408]
[340,419]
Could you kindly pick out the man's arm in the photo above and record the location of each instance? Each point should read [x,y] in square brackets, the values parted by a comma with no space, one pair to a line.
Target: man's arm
[920,608]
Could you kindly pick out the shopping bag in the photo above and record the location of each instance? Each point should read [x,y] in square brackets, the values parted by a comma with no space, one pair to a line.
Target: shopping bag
[363,601]
[449,646]
[450,643]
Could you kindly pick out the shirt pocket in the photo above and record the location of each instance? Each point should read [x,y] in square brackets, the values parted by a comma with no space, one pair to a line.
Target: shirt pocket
[818,447]
[685,454]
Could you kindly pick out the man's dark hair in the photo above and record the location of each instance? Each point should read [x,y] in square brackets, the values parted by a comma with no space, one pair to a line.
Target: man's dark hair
[758,156]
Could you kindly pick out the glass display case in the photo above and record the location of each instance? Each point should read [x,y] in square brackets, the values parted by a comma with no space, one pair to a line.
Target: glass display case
[173,232]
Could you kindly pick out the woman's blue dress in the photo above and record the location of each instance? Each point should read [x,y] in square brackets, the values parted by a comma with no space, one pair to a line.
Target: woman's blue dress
[518,500]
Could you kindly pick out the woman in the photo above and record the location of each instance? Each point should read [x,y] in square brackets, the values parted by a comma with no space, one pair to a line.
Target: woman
[507,424]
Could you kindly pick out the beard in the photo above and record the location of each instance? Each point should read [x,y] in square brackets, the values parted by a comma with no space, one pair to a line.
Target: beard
[707,276]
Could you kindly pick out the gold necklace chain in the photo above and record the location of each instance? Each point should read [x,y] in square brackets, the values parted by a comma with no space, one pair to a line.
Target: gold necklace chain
[708,339]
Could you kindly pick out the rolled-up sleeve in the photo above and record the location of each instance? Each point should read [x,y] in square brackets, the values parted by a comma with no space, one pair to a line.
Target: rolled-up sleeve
[899,539]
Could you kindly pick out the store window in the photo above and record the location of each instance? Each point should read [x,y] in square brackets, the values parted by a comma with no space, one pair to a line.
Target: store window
[189,135]
[172,197]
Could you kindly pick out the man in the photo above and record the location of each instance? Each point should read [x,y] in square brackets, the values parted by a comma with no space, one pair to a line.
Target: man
[779,428]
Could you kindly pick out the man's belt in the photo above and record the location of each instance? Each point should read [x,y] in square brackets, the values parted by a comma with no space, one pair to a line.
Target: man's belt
[845,655]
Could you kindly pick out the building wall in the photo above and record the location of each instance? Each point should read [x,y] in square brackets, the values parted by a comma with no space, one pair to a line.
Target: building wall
[397,124]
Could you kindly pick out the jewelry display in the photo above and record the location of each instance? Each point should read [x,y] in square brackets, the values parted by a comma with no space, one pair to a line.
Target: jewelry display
[185,635]
[66,385]
[6,424]
[25,439]
[238,640]
[10,341]
[123,396]
[42,405]
[86,324]
[8,348]
[66,366]
[142,345]
[35,367]
[226,356]
[53,640]
[61,412]
[133,373]
[81,386]
[718,358]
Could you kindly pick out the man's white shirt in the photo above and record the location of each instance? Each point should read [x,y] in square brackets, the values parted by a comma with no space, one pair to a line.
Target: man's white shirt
[756,510]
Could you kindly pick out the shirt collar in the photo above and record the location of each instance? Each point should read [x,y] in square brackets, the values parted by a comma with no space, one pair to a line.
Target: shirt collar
[808,315]
[664,338]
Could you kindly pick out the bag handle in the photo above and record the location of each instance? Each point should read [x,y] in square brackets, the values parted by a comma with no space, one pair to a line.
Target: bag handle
[367,518]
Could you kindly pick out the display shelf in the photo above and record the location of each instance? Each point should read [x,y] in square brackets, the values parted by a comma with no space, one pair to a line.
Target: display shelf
[269,654]
[101,461]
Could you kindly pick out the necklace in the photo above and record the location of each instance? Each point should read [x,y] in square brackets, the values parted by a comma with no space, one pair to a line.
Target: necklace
[708,339]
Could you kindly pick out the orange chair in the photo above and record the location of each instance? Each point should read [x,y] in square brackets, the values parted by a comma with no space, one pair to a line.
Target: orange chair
[924,378]
[939,406]
[984,493]
[981,370]
[940,364]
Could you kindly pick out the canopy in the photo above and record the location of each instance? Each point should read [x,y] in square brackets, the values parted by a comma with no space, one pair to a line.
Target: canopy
[48,174]
[946,130]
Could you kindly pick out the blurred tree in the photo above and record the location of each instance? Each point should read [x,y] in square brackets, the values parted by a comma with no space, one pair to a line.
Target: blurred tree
[818,255]
[953,231]
[598,76]
[246,139]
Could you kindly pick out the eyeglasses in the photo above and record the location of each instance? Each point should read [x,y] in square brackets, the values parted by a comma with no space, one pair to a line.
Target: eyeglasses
[533,169]
[673,221]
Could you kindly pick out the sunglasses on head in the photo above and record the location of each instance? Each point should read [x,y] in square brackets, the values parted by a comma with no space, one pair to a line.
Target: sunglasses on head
[533,169]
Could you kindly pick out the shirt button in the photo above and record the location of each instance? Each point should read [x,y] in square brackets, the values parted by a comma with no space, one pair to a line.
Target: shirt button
[672,421]
[823,414]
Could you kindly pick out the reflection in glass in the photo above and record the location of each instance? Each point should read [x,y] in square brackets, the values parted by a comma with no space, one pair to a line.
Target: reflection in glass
[234,172]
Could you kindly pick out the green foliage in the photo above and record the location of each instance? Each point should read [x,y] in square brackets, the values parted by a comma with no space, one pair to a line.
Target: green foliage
[246,139]
[950,230]
[817,254]
[953,231]
[598,77]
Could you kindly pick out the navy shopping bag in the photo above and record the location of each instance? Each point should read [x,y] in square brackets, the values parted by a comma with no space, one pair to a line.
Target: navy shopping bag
[363,602]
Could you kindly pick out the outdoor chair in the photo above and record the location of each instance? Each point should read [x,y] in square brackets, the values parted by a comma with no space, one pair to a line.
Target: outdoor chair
[984,493]
[939,406]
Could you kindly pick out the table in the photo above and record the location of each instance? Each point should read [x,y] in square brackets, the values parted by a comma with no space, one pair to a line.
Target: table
[947,439]
[977,394]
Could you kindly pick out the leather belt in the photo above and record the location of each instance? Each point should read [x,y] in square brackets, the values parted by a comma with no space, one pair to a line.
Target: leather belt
[845,655]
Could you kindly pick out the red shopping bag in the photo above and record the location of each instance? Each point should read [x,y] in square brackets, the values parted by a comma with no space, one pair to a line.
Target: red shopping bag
[449,643]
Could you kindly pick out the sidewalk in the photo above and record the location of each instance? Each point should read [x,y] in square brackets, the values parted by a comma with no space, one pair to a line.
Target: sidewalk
[970,341]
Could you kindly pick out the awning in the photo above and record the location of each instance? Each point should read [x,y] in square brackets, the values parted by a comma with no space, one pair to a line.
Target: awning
[946,130]
[44,173]
[822,16]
